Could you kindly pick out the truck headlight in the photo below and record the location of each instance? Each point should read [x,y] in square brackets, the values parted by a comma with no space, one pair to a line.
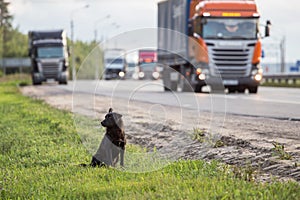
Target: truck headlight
[121,74]
[257,74]
[141,75]
[155,75]
[258,77]
[202,77]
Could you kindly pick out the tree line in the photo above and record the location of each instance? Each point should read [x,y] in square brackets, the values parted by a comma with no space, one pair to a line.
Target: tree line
[14,44]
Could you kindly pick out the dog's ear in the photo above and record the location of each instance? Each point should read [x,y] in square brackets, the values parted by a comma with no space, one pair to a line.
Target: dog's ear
[110,110]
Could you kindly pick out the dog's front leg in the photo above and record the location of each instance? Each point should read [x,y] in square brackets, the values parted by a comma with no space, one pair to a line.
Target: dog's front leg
[122,152]
[109,155]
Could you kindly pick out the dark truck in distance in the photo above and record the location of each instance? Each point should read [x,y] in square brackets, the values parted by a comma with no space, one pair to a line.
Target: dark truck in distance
[49,56]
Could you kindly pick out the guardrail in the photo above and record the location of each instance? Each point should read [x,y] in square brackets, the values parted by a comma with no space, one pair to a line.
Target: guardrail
[287,78]
[14,63]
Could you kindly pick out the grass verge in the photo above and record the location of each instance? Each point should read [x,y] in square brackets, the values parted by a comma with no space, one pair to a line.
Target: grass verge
[40,150]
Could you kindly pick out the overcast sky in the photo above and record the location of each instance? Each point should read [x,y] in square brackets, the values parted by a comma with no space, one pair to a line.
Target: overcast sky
[135,14]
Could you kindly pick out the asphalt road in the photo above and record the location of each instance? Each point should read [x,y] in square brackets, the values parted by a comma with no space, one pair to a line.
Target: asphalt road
[281,103]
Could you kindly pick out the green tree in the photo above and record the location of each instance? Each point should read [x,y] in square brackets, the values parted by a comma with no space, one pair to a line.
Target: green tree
[5,17]
[16,44]
[5,25]
[87,58]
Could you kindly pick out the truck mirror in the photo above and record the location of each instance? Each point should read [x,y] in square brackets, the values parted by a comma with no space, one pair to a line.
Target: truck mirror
[267,28]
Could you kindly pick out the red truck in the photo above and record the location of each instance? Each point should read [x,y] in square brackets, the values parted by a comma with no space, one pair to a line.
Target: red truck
[210,42]
[147,65]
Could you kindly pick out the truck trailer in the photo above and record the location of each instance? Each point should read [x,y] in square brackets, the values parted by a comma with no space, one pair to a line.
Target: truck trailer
[49,56]
[210,42]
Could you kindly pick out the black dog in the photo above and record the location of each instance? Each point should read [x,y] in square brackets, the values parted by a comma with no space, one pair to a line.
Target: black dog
[113,142]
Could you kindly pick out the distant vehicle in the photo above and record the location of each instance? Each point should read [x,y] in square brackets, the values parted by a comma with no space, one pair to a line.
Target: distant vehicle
[49,56]
[115,64]
[147,67]
[148,71]
[212,42]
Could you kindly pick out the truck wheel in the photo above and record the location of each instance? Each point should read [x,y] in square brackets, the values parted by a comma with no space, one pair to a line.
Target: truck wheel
[63,82]
[167,89]
[253,90]
[37,83]
[198,88]
[34,82]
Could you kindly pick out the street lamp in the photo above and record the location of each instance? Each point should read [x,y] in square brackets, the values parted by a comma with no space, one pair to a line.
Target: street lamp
[96,23]
[72,40]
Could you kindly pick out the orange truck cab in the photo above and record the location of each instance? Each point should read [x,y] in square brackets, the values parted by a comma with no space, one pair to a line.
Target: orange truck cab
[222,44]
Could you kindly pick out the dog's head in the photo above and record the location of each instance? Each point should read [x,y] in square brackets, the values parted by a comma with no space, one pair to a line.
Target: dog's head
[112,119]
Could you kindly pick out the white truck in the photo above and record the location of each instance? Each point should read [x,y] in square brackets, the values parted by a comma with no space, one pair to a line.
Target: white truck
[115,64]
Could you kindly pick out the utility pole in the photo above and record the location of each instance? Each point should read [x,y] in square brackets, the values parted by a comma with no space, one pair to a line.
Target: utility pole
[282,55]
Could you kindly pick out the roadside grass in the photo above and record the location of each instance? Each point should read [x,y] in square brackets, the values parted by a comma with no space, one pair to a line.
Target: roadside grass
[203,136]
[41,150]
[279,151]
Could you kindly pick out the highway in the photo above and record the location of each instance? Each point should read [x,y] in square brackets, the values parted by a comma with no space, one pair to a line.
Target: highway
[278,103]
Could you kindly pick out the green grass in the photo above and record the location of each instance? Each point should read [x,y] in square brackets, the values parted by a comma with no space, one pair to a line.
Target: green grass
[41,150]
[279,151]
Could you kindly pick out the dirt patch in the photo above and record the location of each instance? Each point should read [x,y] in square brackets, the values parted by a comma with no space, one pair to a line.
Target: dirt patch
[242,141]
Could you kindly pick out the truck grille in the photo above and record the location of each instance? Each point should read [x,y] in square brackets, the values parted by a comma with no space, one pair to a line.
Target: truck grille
[231,63]
[50,70]
[113,71]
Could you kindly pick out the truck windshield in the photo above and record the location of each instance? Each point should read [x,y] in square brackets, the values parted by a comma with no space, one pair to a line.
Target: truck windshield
[230,28]
[50,52]
[114,61]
